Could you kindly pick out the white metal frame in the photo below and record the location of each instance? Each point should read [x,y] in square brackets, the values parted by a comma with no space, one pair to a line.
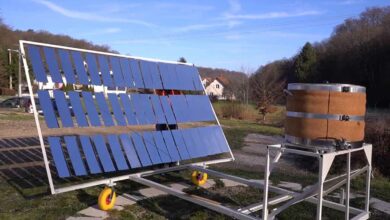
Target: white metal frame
[316,192]
[107,181]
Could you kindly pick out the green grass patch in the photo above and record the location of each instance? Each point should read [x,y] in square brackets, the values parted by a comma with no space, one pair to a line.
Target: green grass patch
[380,186]
[236,131]
[14,116]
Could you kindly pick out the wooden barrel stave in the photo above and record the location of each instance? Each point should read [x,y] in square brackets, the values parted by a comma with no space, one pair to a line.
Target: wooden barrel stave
[330,106]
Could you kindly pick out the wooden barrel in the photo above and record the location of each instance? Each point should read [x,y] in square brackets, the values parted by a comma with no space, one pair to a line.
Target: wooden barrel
[325,114]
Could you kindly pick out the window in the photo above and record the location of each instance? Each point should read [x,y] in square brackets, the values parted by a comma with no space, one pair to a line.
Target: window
[217,86]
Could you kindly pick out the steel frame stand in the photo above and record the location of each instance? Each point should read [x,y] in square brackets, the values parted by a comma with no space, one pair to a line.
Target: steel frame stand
[243,213]
[316,192]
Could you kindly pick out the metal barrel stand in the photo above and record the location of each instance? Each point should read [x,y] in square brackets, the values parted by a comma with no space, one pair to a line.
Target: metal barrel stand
[315,193]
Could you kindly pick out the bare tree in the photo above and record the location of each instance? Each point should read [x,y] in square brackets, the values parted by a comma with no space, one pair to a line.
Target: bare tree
[267,84]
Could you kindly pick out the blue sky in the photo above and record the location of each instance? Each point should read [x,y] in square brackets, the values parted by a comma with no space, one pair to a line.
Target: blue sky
[229,34]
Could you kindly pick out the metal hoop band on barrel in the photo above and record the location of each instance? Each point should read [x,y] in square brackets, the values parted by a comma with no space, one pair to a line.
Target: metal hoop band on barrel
[325,116]
[321,142]
[327,87]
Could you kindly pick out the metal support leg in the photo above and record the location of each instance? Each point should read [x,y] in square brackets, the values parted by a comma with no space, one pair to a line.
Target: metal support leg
[342,195]
[368,182]
[320,187]
[266,180]
[348,186]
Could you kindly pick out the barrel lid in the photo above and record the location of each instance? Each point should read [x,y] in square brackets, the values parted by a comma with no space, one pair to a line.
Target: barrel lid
[326,87]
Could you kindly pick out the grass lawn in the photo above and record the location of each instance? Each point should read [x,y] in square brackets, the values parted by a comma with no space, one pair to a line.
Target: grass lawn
[236,130]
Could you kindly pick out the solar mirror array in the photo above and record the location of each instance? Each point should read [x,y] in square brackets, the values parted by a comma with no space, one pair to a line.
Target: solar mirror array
[129,99]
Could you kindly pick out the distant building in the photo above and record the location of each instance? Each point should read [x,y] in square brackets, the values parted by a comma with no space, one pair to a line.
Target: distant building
[216,86]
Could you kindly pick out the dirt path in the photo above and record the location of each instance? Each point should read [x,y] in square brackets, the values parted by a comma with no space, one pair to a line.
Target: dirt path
[252,155]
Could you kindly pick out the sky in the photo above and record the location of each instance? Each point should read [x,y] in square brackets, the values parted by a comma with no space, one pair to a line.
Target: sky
[230,34]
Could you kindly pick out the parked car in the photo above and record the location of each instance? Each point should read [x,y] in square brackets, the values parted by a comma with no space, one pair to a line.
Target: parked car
[20,102]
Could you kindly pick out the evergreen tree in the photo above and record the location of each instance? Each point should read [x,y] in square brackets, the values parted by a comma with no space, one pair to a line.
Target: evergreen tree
[182,60]
[305,63]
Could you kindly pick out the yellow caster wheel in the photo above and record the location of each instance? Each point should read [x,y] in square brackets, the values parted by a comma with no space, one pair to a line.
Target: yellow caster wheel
[198,178]
[107,198]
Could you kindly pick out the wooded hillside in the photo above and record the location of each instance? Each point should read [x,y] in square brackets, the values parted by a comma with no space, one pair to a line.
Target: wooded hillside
[357,52]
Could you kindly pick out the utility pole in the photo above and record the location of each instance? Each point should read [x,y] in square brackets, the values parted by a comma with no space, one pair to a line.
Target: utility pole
[19,70]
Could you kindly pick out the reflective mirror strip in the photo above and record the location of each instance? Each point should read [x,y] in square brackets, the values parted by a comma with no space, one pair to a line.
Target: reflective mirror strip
[176,81]
[77,108]
[92,69]
[117,109]
[67,66]
[105,71]
[156,78]
[91,109]
[104,110]
[140,148]
[129,111]
[196,78]
[146,75]
[138,79]
[180,108]
[52,64]
[208,141]
[200,107]
[117,72]
[36,61]
[58,157]
[63,108]
[204,105]
[167,79]
[75,156]
[180,144]
[185,78]
[151,147]
[48,109]
[161,147]
[143,109]
[221,139]
[195,110]
[192,149]
[127,75]
[117,152]
[171,146]
[130,152]
[104,155]
[90,155]
[198,143]
[80,68]
[166,105]
[158,111]
[214,139]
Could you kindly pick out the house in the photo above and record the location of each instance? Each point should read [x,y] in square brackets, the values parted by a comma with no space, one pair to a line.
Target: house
[216,86]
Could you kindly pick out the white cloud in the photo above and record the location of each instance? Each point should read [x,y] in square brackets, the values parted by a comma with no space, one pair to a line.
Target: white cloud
[183,7]
[198,27]
[89,16]
[233,37]
[111,30]
[235,6]
[349,2]
[271,15]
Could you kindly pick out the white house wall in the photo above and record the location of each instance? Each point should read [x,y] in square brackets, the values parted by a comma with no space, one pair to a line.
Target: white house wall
[212,89]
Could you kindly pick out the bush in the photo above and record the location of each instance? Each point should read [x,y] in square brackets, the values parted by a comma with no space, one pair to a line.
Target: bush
[378,133]
[7,91]
[235,110]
